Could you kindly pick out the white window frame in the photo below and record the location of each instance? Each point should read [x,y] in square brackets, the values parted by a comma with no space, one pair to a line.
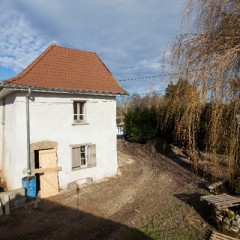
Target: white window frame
[80,116]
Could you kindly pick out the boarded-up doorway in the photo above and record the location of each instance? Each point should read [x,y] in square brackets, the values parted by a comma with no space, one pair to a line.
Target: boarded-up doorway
[49,179]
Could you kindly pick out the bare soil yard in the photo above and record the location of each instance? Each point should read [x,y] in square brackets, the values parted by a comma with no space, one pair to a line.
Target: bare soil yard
[154,198]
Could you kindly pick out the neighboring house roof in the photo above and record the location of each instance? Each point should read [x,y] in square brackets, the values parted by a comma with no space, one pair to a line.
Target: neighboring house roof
[59,68]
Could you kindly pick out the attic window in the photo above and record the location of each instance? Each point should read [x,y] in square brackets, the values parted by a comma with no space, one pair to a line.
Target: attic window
[79,112]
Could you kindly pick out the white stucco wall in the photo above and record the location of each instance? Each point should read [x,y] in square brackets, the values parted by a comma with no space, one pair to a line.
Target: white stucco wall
[51,119]
[8,165]
[1,133]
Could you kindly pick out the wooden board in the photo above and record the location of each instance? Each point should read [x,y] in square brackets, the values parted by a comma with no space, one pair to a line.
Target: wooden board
[49,180]
[219,236]
[222,200]
[44,170]
[216,185]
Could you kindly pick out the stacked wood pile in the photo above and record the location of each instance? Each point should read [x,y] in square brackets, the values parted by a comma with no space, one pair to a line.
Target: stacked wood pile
[228,220]
[227,212]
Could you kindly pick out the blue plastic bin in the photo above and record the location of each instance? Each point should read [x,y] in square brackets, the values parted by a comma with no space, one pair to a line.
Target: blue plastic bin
[29,183]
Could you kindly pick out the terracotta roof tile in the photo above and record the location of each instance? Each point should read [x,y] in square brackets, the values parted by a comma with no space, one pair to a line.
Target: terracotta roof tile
[69,69]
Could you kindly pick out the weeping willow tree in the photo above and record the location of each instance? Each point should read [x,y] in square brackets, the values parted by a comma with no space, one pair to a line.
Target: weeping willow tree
[177,99]
[208,57]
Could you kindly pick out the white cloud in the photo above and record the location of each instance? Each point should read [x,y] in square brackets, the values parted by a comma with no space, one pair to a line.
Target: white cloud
[20,44]
[129,35]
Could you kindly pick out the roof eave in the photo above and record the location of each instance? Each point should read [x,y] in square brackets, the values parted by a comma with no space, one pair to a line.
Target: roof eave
[11,88]
[5,92]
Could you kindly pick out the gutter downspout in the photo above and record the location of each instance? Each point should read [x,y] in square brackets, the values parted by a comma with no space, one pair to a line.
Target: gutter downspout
[28,132]
[3,136]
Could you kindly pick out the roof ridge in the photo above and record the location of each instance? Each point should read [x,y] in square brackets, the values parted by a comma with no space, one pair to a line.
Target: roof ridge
[77,50]
[31,65]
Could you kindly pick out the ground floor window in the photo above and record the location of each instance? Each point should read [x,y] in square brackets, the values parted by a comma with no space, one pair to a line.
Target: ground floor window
[83,156]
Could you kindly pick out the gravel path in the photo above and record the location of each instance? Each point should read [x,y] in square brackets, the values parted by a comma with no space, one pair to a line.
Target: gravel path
[153,198]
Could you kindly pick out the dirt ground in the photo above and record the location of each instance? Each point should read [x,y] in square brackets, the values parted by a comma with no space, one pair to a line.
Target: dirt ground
[153,198]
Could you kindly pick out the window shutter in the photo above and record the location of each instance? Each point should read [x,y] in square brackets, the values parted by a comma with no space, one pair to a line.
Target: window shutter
[92,156]
[75,157]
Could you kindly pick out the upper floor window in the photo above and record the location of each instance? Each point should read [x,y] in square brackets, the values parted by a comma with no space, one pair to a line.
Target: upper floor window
[79,112]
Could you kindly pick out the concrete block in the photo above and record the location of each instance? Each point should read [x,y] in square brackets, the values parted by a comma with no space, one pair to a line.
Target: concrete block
[1,209]
[17,193]
[2,194]
[13,199]
[82,181]
[2,197]
[18,202]
[6,205]
[17,198]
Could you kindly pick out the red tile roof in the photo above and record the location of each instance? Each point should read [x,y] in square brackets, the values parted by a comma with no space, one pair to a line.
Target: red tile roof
[68,69]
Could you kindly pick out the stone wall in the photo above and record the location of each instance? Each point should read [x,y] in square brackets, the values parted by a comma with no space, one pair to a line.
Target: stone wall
[228,220]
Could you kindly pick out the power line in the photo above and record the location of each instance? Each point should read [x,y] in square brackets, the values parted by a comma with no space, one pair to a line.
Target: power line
[148,77]
[155,76]
[153,93]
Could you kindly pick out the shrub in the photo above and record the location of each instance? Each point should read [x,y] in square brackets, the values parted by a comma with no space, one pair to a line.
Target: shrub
[141,124]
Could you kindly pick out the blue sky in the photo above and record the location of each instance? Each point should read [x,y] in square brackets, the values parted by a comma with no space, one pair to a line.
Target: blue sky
[129,35]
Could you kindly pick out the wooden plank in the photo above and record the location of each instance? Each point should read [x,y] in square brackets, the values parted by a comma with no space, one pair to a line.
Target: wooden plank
[45,170]
[222,200]
[220,197]
[216,184]
[220,236]
[225,203]
[225,200]
[227,197]
[48,181]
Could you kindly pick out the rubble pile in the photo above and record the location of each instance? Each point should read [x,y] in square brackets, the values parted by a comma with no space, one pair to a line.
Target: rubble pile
[228,220]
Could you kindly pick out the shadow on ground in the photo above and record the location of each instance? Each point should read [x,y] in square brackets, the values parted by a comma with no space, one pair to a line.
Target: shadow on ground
[165,148]
[201,207]
[51,220]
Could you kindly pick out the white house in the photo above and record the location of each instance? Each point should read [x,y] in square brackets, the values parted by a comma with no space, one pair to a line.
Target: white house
[70,95]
